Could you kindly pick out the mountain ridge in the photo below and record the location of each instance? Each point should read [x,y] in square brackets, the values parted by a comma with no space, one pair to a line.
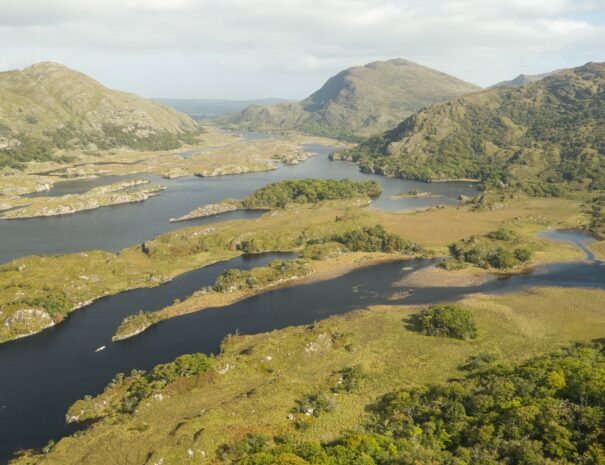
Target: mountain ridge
[48,106]
[359,101]
[539,136]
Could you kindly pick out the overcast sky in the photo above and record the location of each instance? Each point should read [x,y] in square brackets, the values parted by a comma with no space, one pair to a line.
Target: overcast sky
[243,49]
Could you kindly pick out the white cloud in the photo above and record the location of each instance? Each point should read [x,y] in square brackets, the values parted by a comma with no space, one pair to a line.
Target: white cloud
[252,48]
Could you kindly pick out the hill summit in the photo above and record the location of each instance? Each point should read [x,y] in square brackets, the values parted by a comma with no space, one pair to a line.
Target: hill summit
[359,101]
[539,136]
[48,106]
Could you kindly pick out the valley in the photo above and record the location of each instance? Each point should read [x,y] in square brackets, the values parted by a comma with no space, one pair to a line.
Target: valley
[186,290]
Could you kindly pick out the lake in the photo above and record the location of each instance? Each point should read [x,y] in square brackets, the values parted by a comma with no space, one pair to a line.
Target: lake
[114,228]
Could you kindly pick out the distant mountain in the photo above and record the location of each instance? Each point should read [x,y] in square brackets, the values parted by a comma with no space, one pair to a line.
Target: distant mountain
[359,101]
[539,136]
[523,79]
[213,108]
[48,106]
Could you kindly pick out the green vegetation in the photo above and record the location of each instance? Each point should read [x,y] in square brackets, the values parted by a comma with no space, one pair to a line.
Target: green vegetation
[447,320]
[375,239]
[49,108]
[501,249]
[111,194]
[135,324]
[141,385]
[541,138]
[548,410]
[258,379]
[597,216]
[323,251]
[279,194]
[78,278]
[359,101]
[258,278]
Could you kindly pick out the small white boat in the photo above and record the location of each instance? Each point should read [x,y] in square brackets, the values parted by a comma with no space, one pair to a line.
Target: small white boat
[100,349]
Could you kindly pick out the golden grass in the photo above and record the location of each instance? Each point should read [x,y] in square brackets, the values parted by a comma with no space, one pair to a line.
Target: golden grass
[440,227]
[599,249]
[263,375]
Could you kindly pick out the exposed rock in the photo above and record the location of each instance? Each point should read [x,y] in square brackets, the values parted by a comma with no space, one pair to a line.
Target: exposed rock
[211,209]
[28,321]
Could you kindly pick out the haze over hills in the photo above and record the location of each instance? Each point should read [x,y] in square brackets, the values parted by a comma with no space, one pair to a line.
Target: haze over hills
[523,79]
[213,108]
[536,136]
[359,101]
[48,106]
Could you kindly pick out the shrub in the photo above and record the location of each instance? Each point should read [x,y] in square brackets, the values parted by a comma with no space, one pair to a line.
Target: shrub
[348,379]
[145,384]
[523,254]
[503,234]
[499,249]
[322,251]
[375,239]
[279,194]
[447,320]
[549,410]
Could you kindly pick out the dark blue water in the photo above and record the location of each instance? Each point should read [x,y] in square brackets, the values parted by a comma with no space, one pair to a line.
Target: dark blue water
[117,227]
[79,186]
[45,373]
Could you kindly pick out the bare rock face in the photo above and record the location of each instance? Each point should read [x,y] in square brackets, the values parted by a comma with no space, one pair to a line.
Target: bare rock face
[28,321]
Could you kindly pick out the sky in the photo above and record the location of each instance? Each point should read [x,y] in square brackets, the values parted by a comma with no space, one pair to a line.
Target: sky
[246,49]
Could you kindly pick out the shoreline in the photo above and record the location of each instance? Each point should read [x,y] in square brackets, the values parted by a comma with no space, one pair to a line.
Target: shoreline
[321,271]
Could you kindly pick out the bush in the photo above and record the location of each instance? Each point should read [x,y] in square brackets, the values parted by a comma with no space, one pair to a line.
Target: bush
[447,320]
[348,379]
[499,249]
[503,234]
[235,279]
[375,239]
[451,264]
[145,384]
[279,194]
[322,251]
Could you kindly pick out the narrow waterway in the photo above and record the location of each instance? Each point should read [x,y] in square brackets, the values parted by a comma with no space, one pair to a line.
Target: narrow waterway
[116,227]
[49,371]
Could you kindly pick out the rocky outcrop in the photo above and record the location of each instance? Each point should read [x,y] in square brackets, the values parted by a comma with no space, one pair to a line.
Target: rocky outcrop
[211,209]
[27,321]
[113,194]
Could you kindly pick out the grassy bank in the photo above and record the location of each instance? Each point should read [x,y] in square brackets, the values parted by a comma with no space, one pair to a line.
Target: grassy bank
[36,291]
[54,286]
[309,271]
[103,196]
[257,380]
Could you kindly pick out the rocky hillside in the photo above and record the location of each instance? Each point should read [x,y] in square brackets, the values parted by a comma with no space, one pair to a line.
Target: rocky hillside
[537,137]
[48,106]
[359,101]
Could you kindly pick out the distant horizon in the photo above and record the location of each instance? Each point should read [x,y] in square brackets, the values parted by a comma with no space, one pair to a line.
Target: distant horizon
[286,99]
[246,50]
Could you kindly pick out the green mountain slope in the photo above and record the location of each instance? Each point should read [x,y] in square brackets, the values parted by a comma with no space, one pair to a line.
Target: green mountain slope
[536,137]
[359,101]
[48,106]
